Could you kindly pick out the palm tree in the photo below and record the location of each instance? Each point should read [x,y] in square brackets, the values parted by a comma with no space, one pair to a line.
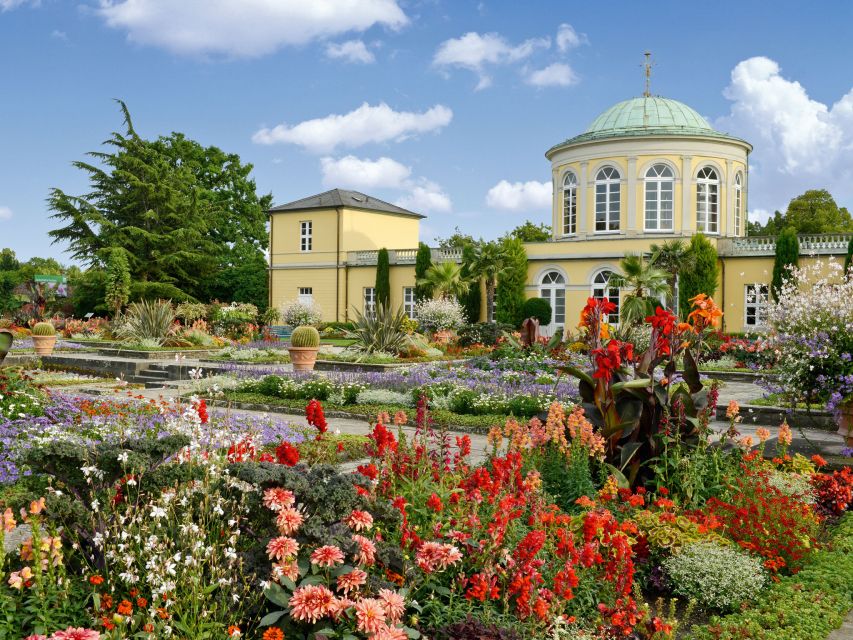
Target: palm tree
[445,280]
[673,256]
[647,284]
[488,263]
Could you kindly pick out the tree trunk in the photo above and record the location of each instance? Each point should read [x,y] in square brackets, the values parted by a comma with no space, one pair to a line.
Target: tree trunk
[490,300]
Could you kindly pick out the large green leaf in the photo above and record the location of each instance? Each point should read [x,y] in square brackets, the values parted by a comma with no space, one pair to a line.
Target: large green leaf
[276,594]
[629,450]
[577,373]
[639,383]
[621,480]
[691,372]
[271,618]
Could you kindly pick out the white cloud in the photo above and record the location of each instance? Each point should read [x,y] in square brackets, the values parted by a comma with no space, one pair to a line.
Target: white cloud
[350,51]
[59,35]
[426,197]
[568,38]
[362,126]
[243,28]
[800,143]
[558,74]
[356,173]
[476,52]
[8,5]
[520,196]
[5,213]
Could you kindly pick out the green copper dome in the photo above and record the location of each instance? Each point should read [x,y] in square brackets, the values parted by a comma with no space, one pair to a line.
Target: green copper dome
[646,116]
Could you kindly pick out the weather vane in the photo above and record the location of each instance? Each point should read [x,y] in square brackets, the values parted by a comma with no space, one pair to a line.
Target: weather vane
[648,73]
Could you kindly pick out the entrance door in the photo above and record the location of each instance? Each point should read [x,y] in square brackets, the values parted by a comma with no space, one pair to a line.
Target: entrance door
[552,287]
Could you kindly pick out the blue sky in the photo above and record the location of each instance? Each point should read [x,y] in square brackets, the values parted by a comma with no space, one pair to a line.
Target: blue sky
[434,105]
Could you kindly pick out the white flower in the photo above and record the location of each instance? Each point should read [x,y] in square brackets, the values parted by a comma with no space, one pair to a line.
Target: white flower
[158,512]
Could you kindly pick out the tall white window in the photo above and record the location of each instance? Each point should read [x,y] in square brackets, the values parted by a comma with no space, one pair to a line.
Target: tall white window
[756,302]
[707,201]
[409,301]
[552,287]
[608,189]
[738,202]
[369,301]
[570,204]
[660,185]
[601,290]
[306,239]
[306,295]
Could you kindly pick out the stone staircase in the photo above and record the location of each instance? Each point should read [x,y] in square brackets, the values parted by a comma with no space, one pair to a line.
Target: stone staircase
[154,374]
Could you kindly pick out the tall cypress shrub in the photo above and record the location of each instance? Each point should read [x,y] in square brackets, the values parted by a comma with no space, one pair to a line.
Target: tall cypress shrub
[383,278]
[470,300]
[423,261]
[849,259]
[509,294]
[787,253]
[702,276]
[118,282]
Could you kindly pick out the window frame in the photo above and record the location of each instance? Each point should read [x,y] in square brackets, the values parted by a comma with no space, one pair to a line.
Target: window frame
[608,185]
[656,182]
[708,194]
[759,305]
[409,305]
[602,287]
[556,284]
[569,219]
[306,236]
[738,202]
[304,297]
[369,301]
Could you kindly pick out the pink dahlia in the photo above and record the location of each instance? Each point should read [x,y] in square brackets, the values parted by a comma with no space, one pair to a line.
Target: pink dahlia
[286,569]
[327,556]
[366,553]
[390,633]
[277,499]
[289,520]
[369,615]
[311,602]
[78,633]
[282,547]
[437,556]
[393,603]
[359,520]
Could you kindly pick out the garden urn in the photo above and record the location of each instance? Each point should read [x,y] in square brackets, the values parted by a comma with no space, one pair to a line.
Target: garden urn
[443,337]
[845,423]
[44,338]
[304,344]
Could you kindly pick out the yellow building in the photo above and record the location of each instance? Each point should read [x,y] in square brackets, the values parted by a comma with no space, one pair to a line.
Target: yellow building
[647,170]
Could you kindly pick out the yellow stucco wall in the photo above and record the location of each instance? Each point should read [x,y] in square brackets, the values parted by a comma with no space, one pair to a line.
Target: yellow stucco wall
[364,230]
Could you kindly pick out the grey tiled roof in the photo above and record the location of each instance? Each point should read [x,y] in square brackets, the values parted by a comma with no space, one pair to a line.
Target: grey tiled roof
[344,198]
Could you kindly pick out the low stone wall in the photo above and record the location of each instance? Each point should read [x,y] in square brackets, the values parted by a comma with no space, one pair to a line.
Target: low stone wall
[774,415]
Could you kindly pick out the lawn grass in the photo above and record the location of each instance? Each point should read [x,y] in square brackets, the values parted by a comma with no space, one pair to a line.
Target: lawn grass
[338,342]
[780,400]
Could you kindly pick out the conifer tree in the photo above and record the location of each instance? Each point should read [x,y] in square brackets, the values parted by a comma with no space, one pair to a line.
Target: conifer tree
[848,260]
[383,278]
[702,274]
[787,253]
[118,282]
[423,261]
[509,296]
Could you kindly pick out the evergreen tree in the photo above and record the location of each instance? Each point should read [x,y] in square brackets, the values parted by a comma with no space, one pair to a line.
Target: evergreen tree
[470,300]
[529,232]
[848,260]
[423,261]
[701,275]
[383,278]
[118,282]
[787,253]
[509,295]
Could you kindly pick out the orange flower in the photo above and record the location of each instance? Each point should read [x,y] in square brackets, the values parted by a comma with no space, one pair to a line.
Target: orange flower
[124,608]
[273,633]
[705,313]
[234,631]
[818,461]
[96,580]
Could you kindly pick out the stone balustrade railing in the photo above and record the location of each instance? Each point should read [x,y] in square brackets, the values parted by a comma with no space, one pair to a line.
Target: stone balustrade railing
[810,244]
[403,256]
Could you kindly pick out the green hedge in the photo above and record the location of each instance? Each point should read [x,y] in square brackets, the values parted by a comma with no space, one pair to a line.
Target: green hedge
[806,606]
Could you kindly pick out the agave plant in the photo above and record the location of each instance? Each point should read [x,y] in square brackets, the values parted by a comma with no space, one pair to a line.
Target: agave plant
[148,320]
[384,330]
[627,399]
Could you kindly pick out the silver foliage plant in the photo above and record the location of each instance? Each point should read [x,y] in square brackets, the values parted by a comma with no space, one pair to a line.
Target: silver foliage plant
[148,321]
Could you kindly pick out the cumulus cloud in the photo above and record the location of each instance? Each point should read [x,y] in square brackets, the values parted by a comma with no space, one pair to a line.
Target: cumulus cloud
[357,173]
[568,38]
[8,5]
[558,74]
[426,197]
[800,143]
[350,51]
[520,196]
[5,213]
[362,126]
[476,52]
[242,28]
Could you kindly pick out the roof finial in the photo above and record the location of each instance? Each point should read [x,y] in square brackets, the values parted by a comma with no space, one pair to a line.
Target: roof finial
[648,73]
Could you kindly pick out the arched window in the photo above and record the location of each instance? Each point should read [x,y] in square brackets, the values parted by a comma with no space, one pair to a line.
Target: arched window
[602,290]
[660,184]
[570,204]
[738,202]
[607,192]
[552,287]
[707,201]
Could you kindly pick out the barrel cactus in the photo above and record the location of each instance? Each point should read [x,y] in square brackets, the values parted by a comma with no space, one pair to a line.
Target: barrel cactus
[305,336]
[44,329]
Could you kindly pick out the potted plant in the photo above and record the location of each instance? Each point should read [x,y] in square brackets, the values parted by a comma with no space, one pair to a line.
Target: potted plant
[304,344]
[442,317]
[845,421]
[6,339]
[44,338]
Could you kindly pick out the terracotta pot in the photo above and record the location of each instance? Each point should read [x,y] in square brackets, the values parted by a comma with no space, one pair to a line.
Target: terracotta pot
[303,358]
[44,344]
[845,423]
[442,337]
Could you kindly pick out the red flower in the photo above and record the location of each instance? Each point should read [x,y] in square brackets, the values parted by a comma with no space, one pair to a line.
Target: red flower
[316,418]
[201,408]
[287,454]
[818,461]
[434,503]
[368,471]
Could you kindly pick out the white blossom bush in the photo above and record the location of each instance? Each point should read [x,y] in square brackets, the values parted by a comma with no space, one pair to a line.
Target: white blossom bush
[295,313]
[443,314]
[812,333]
[384,397]
[717,577]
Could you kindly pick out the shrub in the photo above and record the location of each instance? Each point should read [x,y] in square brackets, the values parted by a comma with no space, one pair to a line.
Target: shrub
[146,320]
[189,312]
[485,333]
[702,275]
[510,290]
[538,308]
[473,629]
[716,576]
[384,331]
[440,315]
[787,256]
[383,397]
[295,313]
[383,281]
